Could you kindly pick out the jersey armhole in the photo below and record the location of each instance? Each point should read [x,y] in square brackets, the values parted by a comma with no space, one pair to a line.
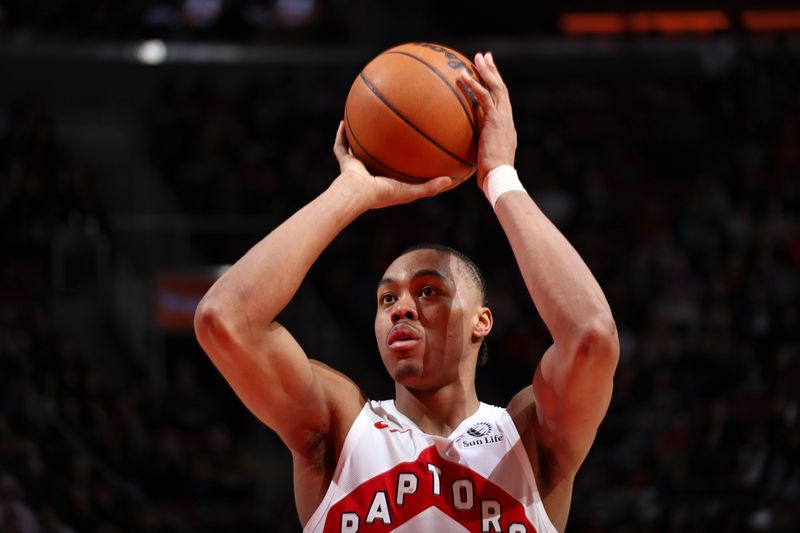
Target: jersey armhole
[353,434]
[519,451]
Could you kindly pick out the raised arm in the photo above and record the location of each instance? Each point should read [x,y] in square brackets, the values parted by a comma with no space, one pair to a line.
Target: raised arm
[235,321]
[572,385]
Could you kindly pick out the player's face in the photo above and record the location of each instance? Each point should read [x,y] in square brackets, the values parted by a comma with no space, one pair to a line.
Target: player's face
[427,310]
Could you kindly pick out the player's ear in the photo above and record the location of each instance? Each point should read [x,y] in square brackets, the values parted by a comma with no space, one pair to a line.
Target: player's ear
[483,325]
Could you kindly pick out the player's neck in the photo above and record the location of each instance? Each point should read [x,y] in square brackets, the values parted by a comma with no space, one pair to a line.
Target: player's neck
[440,411]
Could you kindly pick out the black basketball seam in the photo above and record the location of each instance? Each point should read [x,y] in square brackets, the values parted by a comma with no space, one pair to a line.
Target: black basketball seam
[373,158]
[446,82]
[404,119]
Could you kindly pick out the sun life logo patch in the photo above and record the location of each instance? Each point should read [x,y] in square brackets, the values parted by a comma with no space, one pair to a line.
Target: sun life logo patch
[479,434]
[480,429]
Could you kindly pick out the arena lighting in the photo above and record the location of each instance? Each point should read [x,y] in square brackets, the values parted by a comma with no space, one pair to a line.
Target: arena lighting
[152,52]
[768,20]
[644,22]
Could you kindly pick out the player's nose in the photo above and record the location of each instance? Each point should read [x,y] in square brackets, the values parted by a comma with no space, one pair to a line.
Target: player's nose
[404,309]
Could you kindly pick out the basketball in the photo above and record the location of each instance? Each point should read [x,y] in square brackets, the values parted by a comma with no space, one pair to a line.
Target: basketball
[406,117]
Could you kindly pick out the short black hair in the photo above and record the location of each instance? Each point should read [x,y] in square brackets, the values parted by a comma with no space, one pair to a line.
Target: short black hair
[475,274]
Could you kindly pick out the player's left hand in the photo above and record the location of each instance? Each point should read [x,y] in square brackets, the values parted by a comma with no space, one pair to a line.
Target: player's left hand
[498,138]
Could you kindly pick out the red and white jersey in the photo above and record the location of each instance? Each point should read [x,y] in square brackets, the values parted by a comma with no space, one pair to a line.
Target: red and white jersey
[391,476]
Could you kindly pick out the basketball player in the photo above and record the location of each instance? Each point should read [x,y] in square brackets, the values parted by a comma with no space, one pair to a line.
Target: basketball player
[435,458]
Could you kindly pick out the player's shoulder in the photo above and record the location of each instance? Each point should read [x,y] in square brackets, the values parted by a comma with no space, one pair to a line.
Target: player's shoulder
[341,403]
[522,409]
[534,435]
[341,392]
[329,373]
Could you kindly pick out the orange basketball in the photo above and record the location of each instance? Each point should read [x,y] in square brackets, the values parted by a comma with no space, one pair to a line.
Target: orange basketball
[407,118]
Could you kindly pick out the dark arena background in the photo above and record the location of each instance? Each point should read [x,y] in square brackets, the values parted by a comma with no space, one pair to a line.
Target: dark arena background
[145,145]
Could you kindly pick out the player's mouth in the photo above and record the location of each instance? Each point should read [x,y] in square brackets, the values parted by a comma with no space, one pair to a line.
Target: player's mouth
[402,337]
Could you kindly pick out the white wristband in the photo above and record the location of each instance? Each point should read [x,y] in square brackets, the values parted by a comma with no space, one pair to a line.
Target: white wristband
[499,181]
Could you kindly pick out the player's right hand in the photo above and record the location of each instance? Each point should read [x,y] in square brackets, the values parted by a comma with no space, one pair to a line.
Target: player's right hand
[379,191]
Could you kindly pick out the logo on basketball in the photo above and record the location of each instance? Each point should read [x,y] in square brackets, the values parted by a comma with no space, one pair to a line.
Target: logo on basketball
[409,117]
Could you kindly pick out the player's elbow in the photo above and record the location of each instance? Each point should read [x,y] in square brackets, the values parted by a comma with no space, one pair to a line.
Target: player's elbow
[600,340]
[210,327]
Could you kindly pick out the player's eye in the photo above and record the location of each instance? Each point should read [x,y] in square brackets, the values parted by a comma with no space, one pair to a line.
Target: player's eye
[427,291]
[387,298]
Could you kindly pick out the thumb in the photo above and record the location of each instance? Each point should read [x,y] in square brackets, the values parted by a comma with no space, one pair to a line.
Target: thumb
[437,185]
[429,188]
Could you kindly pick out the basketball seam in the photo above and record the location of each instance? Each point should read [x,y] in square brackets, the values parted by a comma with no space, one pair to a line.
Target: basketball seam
[404,119]
[446,82]
[373,158]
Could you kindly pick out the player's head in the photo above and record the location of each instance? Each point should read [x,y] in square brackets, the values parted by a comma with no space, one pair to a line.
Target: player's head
[431,318]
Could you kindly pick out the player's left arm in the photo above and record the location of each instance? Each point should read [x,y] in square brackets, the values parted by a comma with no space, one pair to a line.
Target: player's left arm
[573,382]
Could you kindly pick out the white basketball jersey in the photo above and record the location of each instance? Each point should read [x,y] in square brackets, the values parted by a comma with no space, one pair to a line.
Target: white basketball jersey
[391,476]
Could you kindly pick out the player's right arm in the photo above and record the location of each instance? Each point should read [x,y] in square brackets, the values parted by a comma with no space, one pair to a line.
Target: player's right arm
[235,321]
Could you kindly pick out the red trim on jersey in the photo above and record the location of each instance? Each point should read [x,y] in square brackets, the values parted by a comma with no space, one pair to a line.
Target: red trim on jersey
[384,425]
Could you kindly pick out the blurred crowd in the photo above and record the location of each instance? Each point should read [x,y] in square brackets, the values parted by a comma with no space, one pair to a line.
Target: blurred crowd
[179,19]
[88,444]
[259,21]
[680,192]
